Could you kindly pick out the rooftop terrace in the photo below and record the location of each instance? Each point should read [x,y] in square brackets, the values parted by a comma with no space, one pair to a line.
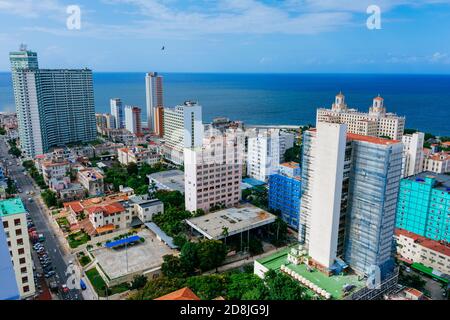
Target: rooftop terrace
[333,284]
[11,206]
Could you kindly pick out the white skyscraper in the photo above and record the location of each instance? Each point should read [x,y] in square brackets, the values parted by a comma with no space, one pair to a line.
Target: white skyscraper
[183,128]
[263,157]
[327,192]
[154,95]
[350,186]
[133,119]
[117,113]
[413,156]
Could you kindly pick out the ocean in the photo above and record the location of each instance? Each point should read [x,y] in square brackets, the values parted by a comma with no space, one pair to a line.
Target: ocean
[289,99]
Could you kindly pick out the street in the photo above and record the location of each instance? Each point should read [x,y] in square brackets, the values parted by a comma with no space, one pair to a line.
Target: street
[41,220]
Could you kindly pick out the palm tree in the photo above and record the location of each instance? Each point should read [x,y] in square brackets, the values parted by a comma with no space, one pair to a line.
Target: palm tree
[152,187]
[225,234]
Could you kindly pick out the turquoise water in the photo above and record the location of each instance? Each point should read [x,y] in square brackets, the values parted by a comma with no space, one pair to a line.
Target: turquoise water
[279,98]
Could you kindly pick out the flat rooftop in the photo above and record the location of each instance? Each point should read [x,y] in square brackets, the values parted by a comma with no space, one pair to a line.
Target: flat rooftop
[236,220]
[141,257]
[333,284]
[171,180]
[11,206]
[442,179]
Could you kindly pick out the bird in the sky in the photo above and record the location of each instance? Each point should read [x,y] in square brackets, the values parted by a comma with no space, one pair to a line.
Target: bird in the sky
[163,48]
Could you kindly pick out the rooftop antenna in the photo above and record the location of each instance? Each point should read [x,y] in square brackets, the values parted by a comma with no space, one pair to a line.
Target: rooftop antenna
[23,47]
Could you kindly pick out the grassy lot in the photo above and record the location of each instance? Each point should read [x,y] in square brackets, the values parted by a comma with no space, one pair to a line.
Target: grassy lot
[99,284]
[77,239]
[63,222]
[84,260]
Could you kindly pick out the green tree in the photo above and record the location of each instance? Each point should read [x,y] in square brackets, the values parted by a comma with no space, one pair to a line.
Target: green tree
[189,257]
[278,232]
[138,282]
[11,187]
[49,198]
[172,267]
[282,287]
[208,287]
[132,169]
[171,198]
[243,284]
[211,254]
[158,287]
[292,154]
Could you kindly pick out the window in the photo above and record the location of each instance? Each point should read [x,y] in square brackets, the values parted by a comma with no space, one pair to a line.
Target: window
[24,279]
[20,241]
[26,288]
[22,260]
[17,222]
[18,232]
[21,251]
[5,224]
[23,270]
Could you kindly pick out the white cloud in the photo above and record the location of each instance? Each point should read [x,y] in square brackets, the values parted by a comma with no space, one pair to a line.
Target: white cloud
[439,57]
[31,8]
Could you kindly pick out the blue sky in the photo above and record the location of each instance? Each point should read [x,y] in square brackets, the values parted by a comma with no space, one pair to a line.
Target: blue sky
[232,35]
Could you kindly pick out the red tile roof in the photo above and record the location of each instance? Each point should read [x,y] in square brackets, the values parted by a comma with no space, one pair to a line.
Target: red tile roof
[76,206]
[358,137]
[107,209]
[182,294]
[414,292]
[376,140]
[425,242]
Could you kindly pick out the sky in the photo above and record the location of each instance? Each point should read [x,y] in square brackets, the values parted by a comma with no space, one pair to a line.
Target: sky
[262,36]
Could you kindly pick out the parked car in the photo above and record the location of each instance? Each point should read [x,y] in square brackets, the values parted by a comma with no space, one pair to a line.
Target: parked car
[65,289]
[82,285]
[50,274]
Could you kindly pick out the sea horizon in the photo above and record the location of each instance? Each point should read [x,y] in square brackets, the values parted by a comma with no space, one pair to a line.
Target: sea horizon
[278,98]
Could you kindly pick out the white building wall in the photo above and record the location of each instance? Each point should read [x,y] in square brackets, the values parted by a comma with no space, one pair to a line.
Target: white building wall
[263,156]
[413,156]
[24,270]
[183,128]
[326,192]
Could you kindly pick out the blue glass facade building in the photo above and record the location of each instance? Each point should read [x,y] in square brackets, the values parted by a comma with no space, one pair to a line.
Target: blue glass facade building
[424,205]
[285,194]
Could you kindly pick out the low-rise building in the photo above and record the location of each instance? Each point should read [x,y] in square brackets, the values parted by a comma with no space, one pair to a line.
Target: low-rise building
[138,155]
[14,219]
[91,180]
[54,170]
[437,162]
[72,192]
[234,221]
[119,211]
[414,248]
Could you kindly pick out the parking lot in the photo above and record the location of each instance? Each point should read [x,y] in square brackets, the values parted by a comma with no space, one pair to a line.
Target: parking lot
[140,257]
